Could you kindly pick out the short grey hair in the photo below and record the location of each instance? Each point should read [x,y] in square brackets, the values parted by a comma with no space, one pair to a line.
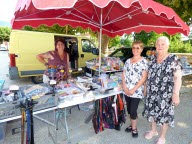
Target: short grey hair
[163,38]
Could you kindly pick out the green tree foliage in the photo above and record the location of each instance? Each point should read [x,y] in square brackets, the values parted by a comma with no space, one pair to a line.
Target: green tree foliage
[181,7]
[147,38]
[126,40]
[119,41]
[4,34]
[178,46]
[115,42]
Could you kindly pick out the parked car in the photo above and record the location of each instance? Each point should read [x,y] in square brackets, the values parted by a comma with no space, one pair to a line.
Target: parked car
[3,47]
[126,52]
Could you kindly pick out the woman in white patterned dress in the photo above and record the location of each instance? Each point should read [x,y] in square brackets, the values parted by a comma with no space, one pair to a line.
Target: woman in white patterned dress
[133,78]
[163,86]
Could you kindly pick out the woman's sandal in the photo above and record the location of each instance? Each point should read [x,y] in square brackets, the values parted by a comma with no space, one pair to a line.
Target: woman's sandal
[160,141]
[134,133]
[150,134]
[128,129]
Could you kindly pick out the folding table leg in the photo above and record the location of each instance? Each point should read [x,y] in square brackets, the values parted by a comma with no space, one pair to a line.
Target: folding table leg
[66,126]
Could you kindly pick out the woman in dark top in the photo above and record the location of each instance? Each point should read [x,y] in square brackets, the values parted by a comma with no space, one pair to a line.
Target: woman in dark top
[58,58]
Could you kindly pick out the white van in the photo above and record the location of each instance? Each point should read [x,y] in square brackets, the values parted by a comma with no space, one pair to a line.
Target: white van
[25,45]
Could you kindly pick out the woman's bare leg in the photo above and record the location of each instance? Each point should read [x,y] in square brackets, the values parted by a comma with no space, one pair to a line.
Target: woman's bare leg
[153,127]
[164,128]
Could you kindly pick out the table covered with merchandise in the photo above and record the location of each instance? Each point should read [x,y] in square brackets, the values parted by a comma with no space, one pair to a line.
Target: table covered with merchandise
[107,65]
[89,89]
[59,97]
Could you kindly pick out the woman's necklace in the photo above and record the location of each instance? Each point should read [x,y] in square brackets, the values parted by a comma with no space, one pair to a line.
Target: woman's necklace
[162,58]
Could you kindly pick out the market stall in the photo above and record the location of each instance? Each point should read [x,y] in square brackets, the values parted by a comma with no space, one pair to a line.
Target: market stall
[58,97]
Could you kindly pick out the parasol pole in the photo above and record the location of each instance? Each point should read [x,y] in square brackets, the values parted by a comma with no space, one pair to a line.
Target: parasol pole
[100,42]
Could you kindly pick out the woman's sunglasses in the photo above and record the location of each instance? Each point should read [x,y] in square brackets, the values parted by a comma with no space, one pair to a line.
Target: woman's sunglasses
[136,48]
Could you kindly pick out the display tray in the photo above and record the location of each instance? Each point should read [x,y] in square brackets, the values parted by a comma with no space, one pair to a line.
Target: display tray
[42,94]
[8,110]
[69,93]
[8,107]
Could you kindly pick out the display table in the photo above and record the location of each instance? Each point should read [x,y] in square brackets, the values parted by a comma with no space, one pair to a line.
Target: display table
[62,108]
[187,72]
[34,113]
[80,100]
[87,98]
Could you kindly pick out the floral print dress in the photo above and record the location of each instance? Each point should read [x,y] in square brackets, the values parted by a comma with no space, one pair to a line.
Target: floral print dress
[160,84]
[133,74]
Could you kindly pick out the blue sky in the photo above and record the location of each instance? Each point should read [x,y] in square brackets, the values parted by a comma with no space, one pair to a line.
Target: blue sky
[7,8]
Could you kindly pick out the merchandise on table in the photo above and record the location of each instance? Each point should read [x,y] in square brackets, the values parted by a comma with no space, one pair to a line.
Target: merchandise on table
[84,79]
[42,93]
[7,96]
[186,72]
[184,62]
[107,64]
[106,83]
[68,92]
[35,90]
[8,106]
[85,86]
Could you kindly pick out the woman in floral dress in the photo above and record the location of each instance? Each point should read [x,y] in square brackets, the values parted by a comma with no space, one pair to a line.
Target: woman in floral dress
[163,86]
[133,78]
